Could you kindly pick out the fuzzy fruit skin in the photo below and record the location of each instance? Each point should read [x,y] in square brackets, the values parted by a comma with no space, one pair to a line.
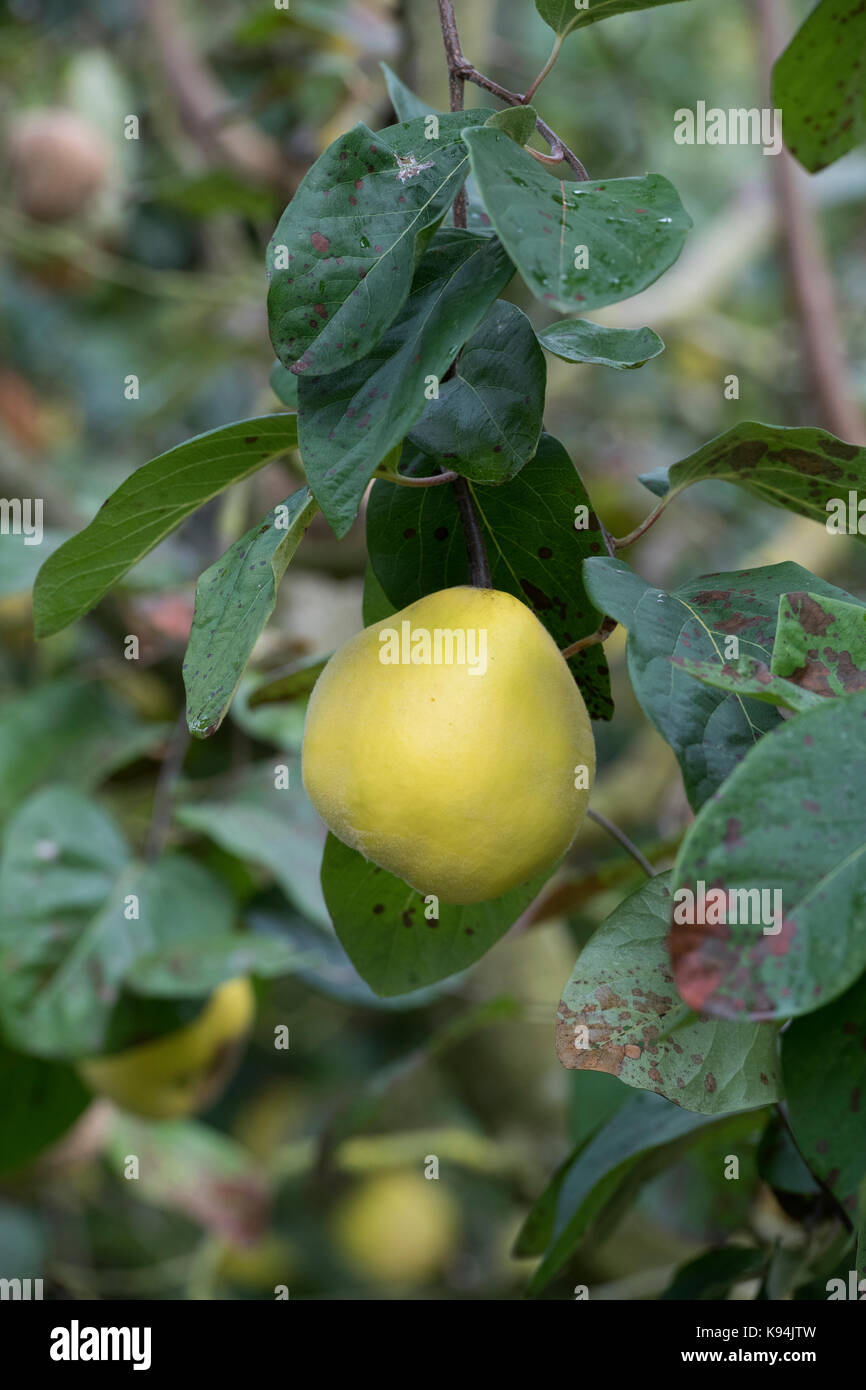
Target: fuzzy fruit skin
[462,785]
[397,1229]
[180,1072]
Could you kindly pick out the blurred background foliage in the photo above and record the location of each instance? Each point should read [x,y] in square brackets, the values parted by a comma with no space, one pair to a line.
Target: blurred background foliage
[145,257]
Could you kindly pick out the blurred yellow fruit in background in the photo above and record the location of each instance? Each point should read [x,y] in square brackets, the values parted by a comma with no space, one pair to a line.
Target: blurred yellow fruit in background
[180,1072]
[399,1228]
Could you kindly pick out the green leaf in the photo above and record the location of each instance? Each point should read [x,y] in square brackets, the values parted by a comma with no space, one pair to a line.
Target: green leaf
[295,683]
[41,1100]
[68,731]
[578,340]
[267,825]
[233,601]
[647,1127]
[65,976]
[407,106]
[61,854]
[77,917]
[146,508]
[61,978]
[620,1013]
[788,820]
[199,965]
[351,237]
[486,423]
[748,676]
[800,469]
[822,1062]
[632,229]
[709,730]
[350,420]
[711,1276]
[416,547]
[185,942]
[381,923]
[820,645]
[564,15]
[819,85]
[518,122]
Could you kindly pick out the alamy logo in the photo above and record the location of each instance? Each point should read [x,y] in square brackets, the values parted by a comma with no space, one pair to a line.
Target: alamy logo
[737,126]
[23,1289]
[22,517]
[757,907]
[847,516]
[77,1343]
[439,646]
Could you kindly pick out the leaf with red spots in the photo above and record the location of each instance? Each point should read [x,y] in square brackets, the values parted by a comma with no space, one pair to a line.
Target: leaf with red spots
[392,944]
[820,644]
[620,1013]
[486,422]
[803,470]
[709,729]
[748,676]
[342,257]
[820,84]
[146,508]
[234,599]
[824,1065]
[782,845]
[349,421]
[533,543]
[630,230]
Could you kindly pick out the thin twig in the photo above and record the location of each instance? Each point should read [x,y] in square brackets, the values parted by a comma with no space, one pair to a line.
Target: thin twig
[479,565]
[460,71]
[534,86]
[166,783]
[810,276]
[620,542]
[623,839]
[451,40]
[600,635]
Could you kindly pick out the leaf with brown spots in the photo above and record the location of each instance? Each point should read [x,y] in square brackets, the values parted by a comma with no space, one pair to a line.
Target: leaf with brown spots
[748,676]
[620,1013]
[382,925]
[800,469]
[790,820]
[709,729]
[820,84]
[820,644]
[351,236]
[824,1065]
